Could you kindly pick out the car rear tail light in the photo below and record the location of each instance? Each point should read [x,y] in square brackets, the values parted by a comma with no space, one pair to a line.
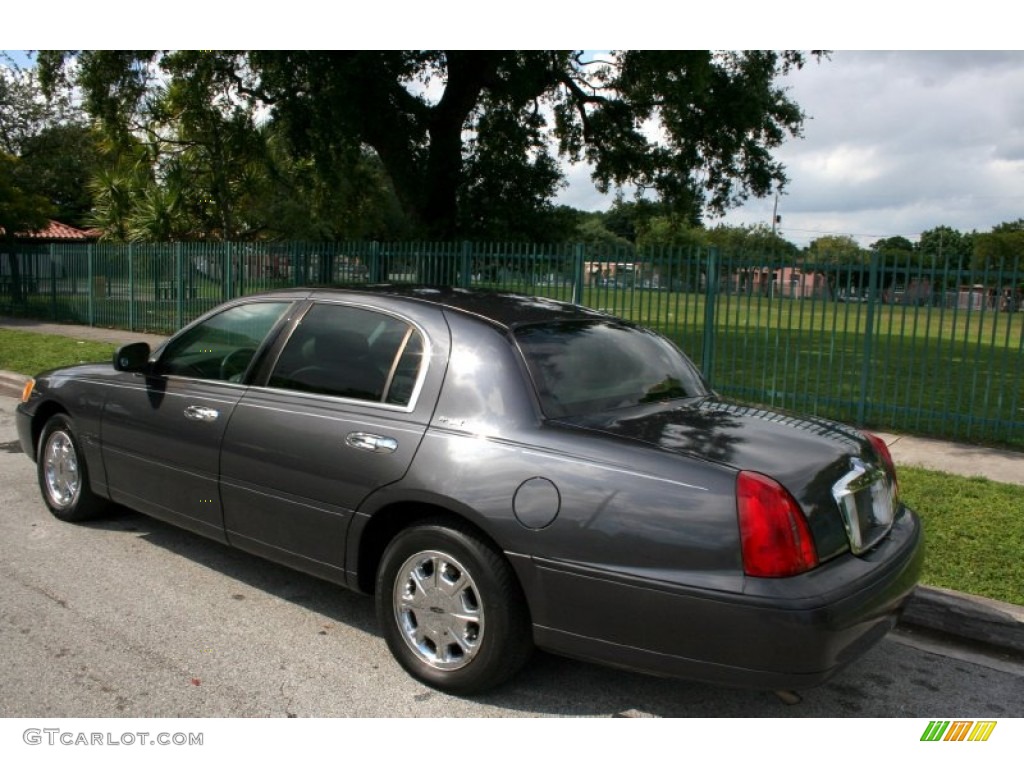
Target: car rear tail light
[885,457]
[773,530]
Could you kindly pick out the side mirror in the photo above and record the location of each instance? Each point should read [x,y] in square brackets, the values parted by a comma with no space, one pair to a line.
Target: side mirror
[133,358]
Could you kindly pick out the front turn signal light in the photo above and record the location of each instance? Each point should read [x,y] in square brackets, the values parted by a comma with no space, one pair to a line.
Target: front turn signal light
[26,391]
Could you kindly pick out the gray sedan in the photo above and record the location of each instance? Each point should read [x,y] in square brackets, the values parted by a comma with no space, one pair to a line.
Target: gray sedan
[501,472]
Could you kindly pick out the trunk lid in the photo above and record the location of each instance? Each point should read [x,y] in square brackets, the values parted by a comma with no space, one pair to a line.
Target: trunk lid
[832,470]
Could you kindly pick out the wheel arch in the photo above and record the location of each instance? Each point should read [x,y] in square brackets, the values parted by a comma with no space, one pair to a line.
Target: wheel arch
[371,533]
[44,412]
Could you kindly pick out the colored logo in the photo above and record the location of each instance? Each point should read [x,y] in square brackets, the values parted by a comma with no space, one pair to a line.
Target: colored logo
[958,730]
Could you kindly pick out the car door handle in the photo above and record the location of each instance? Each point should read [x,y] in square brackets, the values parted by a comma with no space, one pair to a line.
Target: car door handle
[372,443]
[201,413]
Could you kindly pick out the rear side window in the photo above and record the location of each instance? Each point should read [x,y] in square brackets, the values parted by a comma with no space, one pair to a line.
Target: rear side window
[590,366]
[353,353]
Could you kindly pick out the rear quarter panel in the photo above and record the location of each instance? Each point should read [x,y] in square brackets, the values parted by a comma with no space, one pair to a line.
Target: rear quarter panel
[615,505]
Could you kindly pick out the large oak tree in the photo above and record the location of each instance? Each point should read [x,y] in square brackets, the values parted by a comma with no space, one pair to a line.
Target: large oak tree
[470,137]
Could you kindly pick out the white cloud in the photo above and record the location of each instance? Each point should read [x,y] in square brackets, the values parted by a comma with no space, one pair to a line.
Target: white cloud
[897,143]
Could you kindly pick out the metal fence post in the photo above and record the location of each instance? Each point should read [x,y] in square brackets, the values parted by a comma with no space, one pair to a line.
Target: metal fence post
[869,339]
[375,265]
[707,353]
[91,289]
[131,289]
[53,282]
[179,281]
[229,275]
[465,264]
[578,254]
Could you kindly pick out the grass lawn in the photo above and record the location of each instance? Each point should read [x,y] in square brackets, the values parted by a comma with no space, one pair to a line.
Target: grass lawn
[974,532]
[30,353]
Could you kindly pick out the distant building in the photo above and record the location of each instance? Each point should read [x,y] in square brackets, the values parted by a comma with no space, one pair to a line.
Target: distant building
[34,258]
[56,232]
[783,282]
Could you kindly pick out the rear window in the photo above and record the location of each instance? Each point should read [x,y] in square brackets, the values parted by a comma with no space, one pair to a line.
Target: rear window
[584,367]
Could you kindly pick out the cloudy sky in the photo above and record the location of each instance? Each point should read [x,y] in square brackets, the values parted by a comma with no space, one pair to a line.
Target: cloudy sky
[895,143]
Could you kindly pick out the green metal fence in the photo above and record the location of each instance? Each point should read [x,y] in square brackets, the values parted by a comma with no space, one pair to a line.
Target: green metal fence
[928,349]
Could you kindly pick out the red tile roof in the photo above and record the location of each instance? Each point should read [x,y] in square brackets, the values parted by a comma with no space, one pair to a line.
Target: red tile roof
[56,231]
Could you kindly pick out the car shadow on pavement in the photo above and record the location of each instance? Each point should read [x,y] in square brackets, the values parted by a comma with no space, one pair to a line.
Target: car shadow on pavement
[332,601]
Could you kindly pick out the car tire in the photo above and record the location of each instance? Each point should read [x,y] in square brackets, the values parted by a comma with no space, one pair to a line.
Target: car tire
[451,609]
[63,474]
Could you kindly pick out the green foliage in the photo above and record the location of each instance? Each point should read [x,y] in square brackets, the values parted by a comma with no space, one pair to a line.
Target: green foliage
[60,161]
[185,156]
[942,246]
[896,246]
[1002,249]
[21,210]
[294,199]
[593,230]
[756,242]
[23,109]
[116,187]
[836,249]
[462,136]
[56,151]
[720,112]
[629,219]
[508,174]
[897,251]
[662,231]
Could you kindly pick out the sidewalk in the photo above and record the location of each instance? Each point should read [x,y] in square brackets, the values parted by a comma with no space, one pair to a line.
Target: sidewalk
[953,613]
[88,333]
[957,458]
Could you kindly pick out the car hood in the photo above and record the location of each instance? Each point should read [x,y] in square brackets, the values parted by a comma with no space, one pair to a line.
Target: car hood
[806,455]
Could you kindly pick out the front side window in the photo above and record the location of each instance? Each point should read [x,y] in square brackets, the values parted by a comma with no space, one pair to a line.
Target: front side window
[584,367]
[223,346]
[351,352]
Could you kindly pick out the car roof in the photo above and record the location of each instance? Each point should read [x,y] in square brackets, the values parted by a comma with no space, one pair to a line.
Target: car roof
[507,310]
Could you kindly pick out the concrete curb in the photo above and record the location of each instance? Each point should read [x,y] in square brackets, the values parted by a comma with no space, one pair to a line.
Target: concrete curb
[966,617]
[12,383]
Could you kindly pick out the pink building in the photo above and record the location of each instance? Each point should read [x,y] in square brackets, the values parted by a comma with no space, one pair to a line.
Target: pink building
[784,282]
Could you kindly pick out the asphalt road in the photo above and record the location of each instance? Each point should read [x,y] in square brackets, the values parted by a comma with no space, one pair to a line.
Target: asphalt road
[131,617]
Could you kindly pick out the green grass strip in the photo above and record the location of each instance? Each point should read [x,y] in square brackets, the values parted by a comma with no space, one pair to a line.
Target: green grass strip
[974,532]
[30,353]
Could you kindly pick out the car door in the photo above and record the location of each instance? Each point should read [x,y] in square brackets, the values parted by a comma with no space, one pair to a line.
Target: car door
[340,414]
[162,430]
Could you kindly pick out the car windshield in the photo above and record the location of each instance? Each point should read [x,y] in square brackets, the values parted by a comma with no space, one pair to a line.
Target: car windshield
[584,367]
